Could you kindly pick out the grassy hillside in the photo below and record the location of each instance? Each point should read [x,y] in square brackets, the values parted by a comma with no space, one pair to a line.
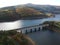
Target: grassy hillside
[21,13]
[14,38]
[27,11]
[8,15]
[53,25]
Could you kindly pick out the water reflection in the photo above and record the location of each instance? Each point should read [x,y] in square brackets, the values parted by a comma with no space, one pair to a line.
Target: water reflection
[10,25]
[25,23]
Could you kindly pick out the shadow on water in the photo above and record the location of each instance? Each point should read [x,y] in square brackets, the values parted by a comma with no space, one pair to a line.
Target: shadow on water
[45,37]
[51,31]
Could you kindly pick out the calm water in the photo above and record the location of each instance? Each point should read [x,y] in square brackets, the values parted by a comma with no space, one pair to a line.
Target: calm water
[42,37]
[45,37]
[25,23]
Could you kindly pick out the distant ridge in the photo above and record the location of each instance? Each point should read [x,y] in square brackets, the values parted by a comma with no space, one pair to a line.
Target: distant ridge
[27,11]
[44,8]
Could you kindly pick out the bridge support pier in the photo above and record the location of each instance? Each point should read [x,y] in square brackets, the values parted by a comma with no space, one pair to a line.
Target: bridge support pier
[35,30]
[31,31]
[26,32]
[41,28]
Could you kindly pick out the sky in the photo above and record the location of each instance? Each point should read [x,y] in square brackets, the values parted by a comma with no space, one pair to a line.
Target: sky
[4,3]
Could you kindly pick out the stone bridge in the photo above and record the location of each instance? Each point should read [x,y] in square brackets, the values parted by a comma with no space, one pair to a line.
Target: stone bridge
[31,29]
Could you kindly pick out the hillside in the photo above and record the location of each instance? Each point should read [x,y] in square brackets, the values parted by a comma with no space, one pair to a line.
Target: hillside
[53,25]
[43,8]
[14,38]
[21,13]
[27,11]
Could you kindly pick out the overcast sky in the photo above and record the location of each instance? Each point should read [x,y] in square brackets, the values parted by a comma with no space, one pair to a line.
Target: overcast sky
[4,3]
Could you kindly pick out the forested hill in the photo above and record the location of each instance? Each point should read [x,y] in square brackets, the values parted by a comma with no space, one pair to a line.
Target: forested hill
[44,8]
[13,37]
[27,11]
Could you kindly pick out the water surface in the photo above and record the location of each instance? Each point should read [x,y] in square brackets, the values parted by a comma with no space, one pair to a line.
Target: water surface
[41,37]
[24,23]
[45,37]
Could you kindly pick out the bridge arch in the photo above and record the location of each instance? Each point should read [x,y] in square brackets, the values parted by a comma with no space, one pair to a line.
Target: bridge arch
[39,29]
[32,29]
[35,30]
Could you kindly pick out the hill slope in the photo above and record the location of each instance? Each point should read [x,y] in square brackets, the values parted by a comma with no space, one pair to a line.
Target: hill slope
[27,11]
[14,38]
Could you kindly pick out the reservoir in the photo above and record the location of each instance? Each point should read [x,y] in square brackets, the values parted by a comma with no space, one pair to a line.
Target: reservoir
[44,37]
[25,23]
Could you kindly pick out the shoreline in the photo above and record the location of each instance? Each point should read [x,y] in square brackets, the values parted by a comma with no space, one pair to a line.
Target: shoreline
[25,18]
